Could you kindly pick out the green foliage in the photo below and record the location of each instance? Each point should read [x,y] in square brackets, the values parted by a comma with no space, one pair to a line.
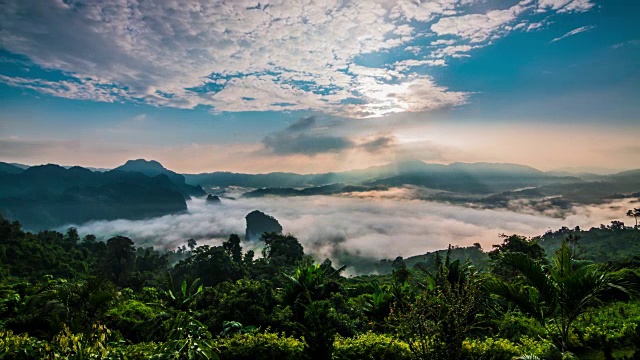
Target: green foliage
[259,346]
[615,242]
[371,346]
[556,295]
[21,346]
[513,244]
[438,321]
[503,349]
[130,318]
[188,339]
[211,264]
[515,325]
[71,298]
[32,256]
[250,302]
[282,250]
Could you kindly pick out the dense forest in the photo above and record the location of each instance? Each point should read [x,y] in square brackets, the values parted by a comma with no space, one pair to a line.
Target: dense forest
[566,294]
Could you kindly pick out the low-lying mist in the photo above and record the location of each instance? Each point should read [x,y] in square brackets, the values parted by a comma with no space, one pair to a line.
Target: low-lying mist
[376,224]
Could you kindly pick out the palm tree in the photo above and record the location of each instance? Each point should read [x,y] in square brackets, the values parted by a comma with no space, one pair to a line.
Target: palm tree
[556,294]
[308,292]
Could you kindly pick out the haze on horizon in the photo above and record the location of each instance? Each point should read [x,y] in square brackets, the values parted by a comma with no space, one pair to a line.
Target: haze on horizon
[267,86]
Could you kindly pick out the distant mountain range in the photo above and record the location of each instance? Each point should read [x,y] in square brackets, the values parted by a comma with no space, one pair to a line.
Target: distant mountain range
[488,184]
[47,196]
[459,177]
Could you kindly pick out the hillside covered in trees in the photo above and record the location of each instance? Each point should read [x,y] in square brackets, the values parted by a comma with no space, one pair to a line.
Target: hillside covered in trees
[63,296]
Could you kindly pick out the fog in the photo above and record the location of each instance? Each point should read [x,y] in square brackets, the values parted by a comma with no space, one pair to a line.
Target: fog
[374,224]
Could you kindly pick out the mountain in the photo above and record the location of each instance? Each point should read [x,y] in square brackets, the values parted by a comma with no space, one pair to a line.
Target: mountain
[481,178]
[10,168]
[213,199]
[78,205]
[154,168]
[478,178]
[259,223]
[48,196]
[331,189]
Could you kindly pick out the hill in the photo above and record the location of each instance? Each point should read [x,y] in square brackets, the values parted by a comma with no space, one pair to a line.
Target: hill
[479,178]
[49,195]
[153,168]
[10,168]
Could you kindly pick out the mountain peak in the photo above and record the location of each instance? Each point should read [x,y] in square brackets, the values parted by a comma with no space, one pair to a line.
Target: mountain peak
[142,164]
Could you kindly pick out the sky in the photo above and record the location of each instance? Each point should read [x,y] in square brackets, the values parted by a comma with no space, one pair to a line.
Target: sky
[314,86]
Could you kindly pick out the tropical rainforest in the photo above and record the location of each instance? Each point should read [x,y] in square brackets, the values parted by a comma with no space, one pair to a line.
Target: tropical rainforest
[567,294]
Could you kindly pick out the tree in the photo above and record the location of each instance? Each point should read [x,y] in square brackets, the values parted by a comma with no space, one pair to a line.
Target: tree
[307,293]
[212,264]
[635,213]
[436,323]
[119,259]
[513,244]
[282,250]
[555,295]
[233,248]
[191,243]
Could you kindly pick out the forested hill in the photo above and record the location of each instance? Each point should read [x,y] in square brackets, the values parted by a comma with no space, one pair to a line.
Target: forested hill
[47,196]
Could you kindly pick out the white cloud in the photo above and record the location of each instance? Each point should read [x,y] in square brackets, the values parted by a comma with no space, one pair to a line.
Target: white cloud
[82,89]
[565,5]
[241,55]
[416,95]
[573,32]
[375,224]
[479,27]
[410,63]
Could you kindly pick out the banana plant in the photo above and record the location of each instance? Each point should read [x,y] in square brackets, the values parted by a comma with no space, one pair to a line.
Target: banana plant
[181,299]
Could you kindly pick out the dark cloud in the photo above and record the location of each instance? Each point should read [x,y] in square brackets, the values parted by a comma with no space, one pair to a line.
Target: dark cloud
[284,143]
[379,143]
[304,124]
[301,138]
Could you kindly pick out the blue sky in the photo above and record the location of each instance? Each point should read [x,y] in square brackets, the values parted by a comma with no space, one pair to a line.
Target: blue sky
[328,85]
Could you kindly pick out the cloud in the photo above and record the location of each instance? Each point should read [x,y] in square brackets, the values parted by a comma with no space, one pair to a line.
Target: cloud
[379,143]
[421,94]
[283,143]
[236,56]
[301,137]
[624,43]
[565,5]
[479,27]
[78,89]
[381,225]
[305,123]
[573,32]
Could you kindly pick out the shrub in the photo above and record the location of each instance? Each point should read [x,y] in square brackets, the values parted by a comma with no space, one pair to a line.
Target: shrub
[494,349]
[259,346]
[21,346]
[515,325]
[503,349]
[371,346]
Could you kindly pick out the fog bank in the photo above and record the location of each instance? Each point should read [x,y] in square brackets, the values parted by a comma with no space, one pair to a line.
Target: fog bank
[379,225]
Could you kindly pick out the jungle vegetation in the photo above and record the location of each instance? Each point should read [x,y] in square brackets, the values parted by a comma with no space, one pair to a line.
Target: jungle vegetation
[549,297]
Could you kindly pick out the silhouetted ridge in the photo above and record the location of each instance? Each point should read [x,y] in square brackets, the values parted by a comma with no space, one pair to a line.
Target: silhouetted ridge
[48,196]
[154,168]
